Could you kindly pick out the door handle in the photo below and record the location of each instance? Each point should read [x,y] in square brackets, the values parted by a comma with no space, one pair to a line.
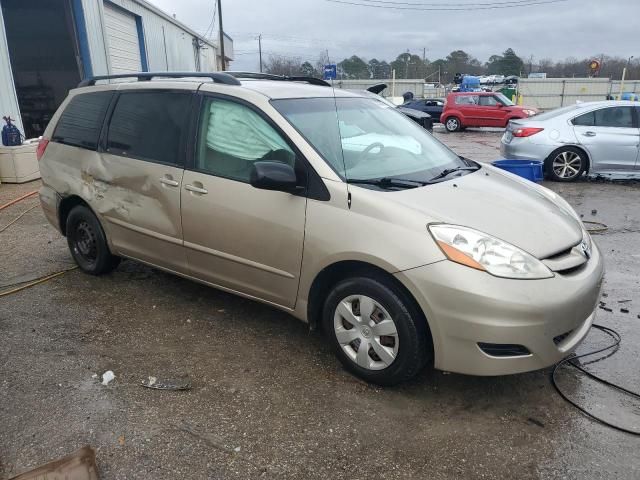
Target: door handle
[193,188]
[589,134]
[168,182]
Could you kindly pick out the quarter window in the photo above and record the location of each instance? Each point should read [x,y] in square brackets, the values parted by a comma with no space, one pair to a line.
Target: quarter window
[585,120]
[81,120]
[232,137]
[149,126]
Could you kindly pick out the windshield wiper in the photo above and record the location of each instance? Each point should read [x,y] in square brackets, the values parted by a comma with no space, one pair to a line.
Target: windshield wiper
[448,171]
[387,182]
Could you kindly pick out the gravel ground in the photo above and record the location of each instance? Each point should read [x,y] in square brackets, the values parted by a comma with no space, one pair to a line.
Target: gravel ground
[268,399]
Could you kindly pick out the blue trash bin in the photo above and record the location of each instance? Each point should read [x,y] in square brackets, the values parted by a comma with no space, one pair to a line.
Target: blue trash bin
[529,169]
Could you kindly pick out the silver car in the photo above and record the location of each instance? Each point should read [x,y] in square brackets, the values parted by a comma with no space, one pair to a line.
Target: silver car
[592,137]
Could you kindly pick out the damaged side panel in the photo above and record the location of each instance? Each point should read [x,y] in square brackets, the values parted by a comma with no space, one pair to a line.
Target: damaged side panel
[137,202]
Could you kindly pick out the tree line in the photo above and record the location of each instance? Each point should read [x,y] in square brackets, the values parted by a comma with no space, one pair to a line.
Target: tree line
[408,65]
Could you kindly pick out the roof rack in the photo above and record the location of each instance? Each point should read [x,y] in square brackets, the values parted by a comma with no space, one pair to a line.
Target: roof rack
[286,78]
[217,77]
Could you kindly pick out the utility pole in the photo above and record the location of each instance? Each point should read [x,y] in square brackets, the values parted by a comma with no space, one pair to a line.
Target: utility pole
[260,50]
[223,67]
[624,74]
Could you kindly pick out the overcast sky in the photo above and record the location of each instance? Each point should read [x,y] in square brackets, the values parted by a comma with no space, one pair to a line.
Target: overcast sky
[302,28]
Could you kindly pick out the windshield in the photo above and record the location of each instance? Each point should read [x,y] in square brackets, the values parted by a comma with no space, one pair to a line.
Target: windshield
[504,100]
[371,140]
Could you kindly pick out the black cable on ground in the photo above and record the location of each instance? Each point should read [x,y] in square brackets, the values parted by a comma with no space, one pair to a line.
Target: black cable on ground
[613,348]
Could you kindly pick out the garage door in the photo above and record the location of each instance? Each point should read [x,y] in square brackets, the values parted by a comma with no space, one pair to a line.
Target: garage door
[122,36]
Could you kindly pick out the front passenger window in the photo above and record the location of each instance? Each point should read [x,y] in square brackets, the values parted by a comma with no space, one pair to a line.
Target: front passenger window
[488,101]
[232,137]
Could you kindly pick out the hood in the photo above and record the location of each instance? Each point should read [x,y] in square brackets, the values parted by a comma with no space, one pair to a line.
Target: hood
[520,108]
[500,204]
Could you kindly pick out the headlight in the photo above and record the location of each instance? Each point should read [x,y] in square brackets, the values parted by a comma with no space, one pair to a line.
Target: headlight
[530,112]
[586,243]
[481,251]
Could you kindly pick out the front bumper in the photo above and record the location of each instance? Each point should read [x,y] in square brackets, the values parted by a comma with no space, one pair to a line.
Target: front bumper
[465,306]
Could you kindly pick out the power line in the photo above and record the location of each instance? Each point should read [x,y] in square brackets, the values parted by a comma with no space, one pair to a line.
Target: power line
[450,4]
[211,27]
[460,7]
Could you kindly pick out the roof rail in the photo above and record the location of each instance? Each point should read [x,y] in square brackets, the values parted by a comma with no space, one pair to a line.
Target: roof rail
[286,78]
[217,77]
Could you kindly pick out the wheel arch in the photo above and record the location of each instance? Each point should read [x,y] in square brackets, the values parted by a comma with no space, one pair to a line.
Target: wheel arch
[335,272]
[64,208]
[547,161]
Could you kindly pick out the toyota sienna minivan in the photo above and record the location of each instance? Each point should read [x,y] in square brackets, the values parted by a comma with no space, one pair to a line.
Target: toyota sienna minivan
[326,204]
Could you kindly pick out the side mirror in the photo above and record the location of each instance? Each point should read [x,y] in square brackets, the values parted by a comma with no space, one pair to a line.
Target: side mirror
[270,175]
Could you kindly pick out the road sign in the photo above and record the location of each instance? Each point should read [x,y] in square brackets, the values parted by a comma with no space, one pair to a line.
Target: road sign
[330,72]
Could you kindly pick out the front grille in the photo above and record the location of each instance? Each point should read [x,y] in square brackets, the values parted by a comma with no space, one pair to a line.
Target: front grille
[504,349]
[560,338]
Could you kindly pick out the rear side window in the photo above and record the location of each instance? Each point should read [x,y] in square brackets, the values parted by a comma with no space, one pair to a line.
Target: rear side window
[150,126]
[620,117]
[81,120]
[466,100]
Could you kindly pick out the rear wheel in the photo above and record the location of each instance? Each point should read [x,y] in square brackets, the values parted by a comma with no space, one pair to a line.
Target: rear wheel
[452,124]
[566,164]
[375,330]
[88,243]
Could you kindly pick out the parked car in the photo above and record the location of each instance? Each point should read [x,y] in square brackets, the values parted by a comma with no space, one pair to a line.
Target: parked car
[432,106]
[421,118]
[481,109]
[329,206]
[595,137]
[511,80]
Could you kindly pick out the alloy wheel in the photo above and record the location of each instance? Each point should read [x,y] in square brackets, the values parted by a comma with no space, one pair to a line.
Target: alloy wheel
[567,164]
[366,332]
[452,124]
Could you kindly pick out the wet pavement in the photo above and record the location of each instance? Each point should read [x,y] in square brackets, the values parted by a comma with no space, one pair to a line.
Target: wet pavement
[268,399]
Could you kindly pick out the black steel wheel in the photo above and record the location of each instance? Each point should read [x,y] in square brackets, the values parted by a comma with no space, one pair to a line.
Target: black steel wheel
[88,243]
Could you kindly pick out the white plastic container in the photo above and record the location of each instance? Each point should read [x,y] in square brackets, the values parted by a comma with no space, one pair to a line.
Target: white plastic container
[19,164]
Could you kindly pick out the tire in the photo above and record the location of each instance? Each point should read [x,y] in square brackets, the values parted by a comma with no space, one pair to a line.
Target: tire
[88,243]
[390,359]
[567,164]
[452,124]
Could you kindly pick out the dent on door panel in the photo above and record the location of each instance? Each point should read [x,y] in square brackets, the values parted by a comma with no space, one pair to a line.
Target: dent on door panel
[143,214]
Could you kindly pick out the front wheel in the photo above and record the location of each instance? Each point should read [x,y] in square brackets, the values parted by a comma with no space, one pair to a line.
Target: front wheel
[375,330]
[452,124]
[88,243]
[566,164]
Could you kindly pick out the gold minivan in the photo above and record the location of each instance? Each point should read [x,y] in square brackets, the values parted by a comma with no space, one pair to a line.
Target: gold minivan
[329,205]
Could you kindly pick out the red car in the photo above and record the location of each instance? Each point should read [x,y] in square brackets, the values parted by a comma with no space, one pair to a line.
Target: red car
[481,109]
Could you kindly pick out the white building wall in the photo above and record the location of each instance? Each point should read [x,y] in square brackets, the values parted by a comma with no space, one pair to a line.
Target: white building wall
[169,47]
[8,98]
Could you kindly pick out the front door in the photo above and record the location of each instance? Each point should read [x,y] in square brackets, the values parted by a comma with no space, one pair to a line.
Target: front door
[611,136]
[491,112]
[237,236]
[141,173]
